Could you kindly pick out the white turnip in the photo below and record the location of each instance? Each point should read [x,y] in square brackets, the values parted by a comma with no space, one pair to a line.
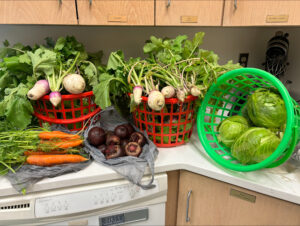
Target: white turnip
[195,91]
[74,83]
[137,94]
[39,89]
[168,91]
[180,94]
[156,101]
[55,98]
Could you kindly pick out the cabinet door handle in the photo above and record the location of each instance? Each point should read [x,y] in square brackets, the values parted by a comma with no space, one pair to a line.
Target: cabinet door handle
[235,4]
[187,218]
[168,4]
[91,2]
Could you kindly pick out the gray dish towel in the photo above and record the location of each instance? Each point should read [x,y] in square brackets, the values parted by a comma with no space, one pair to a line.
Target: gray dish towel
[132,168]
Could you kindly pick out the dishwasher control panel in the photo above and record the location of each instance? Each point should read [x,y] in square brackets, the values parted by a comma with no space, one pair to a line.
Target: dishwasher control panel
[82,201]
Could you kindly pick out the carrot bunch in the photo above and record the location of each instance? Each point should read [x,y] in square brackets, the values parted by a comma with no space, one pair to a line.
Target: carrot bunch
[55,148]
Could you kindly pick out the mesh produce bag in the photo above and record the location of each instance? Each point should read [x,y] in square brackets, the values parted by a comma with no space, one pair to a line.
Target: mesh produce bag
[132,168]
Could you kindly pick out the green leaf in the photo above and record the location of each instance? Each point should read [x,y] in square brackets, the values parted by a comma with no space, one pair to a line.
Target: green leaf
[149,47]
[5,80]
[60,43]
[19,112]
[43,60]
[115,60]
[24,58]
[6,43]
[198,39]
[90,73]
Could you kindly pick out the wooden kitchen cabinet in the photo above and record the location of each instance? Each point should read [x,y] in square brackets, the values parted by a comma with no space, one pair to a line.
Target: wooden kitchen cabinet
[189,12]
[261,13]
[38,12]
[116,12]
[217,203]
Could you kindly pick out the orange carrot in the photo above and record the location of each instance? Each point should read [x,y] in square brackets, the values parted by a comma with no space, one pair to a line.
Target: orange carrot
[59,144]
[50,160]
[68,143]
[27,153]
[56,135]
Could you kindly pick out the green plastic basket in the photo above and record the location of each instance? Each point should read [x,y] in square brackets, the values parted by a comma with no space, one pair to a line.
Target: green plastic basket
[227,97]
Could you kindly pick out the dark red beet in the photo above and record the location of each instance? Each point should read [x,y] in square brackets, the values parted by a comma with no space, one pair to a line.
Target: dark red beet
[133,149]
[123,144]
[96,136]
[129,128]
[113,151]
[102,148]
[138,138]
[112,139]
[121,131]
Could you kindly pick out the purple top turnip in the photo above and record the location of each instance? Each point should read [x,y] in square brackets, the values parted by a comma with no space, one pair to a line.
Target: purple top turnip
[39,89]
[168,91]
[55,98]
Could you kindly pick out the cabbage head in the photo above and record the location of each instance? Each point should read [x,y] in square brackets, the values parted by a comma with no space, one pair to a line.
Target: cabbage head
[254,145]
[231,128]
[266,108]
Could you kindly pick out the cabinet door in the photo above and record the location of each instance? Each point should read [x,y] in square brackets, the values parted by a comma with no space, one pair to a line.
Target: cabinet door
[216,203]
[189,12]
[261,13]
[116,12]
[38,12]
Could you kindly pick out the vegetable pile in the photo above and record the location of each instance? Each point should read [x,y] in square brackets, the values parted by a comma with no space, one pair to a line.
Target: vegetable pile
[256,135]
[123,141]
[28,73]
[173,68]
[38,147]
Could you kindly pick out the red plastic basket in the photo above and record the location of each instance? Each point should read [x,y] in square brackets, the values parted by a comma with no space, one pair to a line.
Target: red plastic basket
[73,111]
[172,126]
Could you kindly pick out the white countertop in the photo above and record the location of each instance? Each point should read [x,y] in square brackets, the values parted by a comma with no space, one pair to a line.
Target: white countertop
[282,182]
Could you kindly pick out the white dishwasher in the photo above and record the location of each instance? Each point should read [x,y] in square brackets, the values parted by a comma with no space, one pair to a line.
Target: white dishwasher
[109,203]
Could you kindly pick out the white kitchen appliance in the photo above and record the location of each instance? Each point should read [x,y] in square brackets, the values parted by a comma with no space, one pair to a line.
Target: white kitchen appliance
[108,203]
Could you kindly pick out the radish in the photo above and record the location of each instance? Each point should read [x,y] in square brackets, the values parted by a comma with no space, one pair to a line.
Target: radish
[168,91]
[74,83]
[195,91]
[156,100]
[137,94]
[55,81]
[55,98]
[39,89]
[180,94]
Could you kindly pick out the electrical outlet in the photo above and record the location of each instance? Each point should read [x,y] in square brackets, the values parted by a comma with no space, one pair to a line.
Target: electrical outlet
[243,59]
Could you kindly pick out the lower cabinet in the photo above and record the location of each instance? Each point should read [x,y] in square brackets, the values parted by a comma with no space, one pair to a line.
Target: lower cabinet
[212,202]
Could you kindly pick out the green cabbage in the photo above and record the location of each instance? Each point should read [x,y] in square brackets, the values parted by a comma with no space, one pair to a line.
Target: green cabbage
[266,108]
[231,128]
[254,145]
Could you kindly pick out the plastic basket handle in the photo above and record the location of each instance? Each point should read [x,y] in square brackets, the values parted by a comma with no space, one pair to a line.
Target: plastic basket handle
[289,151]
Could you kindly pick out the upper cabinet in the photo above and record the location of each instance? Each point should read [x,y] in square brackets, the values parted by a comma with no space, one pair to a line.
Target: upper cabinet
[116,12]
[261,13]
[38,12]
[189,12]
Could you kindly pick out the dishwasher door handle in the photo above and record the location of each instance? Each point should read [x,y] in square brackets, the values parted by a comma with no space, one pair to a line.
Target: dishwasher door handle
[187,218]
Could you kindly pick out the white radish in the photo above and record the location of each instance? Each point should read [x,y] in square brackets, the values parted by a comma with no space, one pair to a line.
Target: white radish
[74,83]
[156,101]
[39,89]
[168,91]
[195,91]
[180,94]
[55,98]
[137,94]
